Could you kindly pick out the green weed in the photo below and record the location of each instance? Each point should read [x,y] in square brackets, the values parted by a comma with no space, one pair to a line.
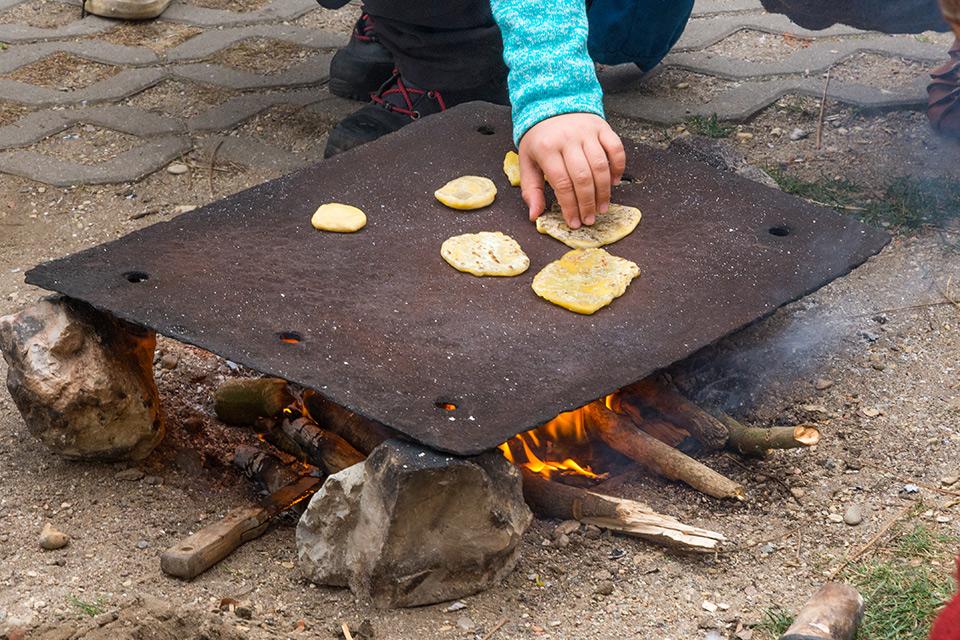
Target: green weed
[710,127]
[88,608]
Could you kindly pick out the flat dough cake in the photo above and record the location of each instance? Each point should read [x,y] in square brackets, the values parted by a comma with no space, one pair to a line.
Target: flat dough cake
[618,222]
[511,167]
[467,192]
[341,218]
[585,280]
[488,253]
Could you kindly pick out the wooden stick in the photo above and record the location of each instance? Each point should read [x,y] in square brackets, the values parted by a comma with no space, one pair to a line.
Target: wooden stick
[266,470]
[832,613]
[324,449]
[364,434]
[758,441]
[823,106]
[555,500]
[496,628]
[652,396]
[241,401]
[620,433]
[345,628]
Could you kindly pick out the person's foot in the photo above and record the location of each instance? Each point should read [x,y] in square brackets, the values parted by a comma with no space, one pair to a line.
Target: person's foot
[943,108]
[126,9]
[397,104]
[358,69]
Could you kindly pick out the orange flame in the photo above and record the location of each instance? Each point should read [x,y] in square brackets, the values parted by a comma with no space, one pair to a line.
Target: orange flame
[537,445]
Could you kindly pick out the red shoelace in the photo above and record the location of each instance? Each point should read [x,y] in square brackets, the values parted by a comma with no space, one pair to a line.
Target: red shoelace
[364,29]
[398,88]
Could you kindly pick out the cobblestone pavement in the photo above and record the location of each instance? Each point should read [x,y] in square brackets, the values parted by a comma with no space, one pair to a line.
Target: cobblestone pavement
[195,79]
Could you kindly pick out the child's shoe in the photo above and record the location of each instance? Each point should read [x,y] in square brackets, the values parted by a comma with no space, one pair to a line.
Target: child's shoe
[398,103]
[358,69]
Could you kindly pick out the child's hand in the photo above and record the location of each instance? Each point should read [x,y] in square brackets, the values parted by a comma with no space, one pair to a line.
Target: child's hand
[580,156]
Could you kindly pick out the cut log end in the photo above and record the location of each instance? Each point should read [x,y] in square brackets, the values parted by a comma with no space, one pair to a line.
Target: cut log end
[758,441]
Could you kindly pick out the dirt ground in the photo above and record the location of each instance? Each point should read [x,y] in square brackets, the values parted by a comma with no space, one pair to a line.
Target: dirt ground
[871,359]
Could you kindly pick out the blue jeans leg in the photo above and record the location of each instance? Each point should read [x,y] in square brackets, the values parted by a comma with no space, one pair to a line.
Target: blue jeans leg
[638,31]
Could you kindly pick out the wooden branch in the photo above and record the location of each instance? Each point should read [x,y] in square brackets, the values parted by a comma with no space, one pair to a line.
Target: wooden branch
[832,613]
[555,500]
[241,401]
[652,396]
[758,441]
[271,430]
[621,434]
[266,470]
[324,449]
[364,434]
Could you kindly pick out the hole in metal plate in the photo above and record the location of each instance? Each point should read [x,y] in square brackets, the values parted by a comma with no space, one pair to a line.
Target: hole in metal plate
[779,231]
[627,178]
[290,337]
[136,276]
[445,405]
[486,130]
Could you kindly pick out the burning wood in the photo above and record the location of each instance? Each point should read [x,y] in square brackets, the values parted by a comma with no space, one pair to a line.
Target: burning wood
[323,448]
[652,397]
[555,500]
[545,450]
[758,441]
[621,434]
[362,433]
[268,471]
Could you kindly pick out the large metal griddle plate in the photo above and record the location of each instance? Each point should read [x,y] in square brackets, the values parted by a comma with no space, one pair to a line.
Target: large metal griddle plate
[389,330]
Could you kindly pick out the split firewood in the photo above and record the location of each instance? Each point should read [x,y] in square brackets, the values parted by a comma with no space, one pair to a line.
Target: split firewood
[266,470]
[554,500]
[619,433]
[364,434]
[758,441]
[198,552]
[271,430]
[324,449]
[241,401]
[653,396]
[832,613]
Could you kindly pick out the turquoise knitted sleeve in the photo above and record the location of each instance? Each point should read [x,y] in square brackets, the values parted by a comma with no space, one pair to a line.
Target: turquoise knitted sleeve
[545,47]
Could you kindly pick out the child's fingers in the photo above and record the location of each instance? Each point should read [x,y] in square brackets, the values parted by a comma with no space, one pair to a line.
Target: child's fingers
[617,157]
[597,158]
[579,170]
[555,171]
[531,186]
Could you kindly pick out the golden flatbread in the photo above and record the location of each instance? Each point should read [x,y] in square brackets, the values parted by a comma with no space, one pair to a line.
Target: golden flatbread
[467,192]
[511,167]
[618,222]
[488,253]
[585,280]
[341,218]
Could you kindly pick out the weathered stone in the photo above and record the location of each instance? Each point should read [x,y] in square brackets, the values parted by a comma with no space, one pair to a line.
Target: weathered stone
[52,539]
[410,526]
[83,380]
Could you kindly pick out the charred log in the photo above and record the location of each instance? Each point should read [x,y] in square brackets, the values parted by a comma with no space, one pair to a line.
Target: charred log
[619,433]
[267,471]
[653,396]
[323,448]
[364,434]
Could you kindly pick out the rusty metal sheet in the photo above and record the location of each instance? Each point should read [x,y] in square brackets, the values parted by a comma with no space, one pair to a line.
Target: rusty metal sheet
[379,323]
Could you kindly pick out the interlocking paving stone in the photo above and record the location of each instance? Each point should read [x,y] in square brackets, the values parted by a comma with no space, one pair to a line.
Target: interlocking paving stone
[310,72]
[38,125]
[208,43]
[818,57]
[129,166]
[203,17]
[105,52]
[752,86]
[124,84]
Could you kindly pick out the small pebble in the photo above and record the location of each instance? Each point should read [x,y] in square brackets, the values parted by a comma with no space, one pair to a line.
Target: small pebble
[567,527]
[130,474]
[169,361]
[142,544]
[950,480]
[853,515]
[776,131]
[456,606]
[592,532]
[51,539]
[709,606]
[870,412]
[822,384]
[798,134]
[464,623]
[183,208]
[744,136]
[177,168]
[243,612]
[835,517]
[605,588]
[154,480]
[943,519]
[797,492]
[683,85]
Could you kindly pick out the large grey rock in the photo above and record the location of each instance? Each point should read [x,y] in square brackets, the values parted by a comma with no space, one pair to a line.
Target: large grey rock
[83,380]
[409,526]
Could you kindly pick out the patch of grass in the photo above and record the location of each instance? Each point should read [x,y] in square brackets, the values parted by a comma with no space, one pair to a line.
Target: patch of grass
[710,127]
[91,609]
[776,621]
[907,203]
